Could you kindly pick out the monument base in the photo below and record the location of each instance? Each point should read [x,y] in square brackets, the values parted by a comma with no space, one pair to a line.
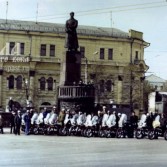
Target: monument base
[74,96]
[71,68]
[71,95]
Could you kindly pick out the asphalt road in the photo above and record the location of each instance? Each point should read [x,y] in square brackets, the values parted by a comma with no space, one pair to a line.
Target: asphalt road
[58,151]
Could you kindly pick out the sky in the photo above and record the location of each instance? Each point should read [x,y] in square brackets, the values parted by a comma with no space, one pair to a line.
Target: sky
[147,16]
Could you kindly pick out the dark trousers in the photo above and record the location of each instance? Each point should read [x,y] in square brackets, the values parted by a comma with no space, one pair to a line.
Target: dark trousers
[1,128]
[17,130]
[27,128]
[12,129]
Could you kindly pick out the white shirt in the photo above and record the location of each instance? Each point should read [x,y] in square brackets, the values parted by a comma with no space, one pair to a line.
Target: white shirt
[53,119]
[111,121]
[104,119]
[88,121]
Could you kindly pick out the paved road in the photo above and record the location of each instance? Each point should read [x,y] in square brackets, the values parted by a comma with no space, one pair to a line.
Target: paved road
[57,151]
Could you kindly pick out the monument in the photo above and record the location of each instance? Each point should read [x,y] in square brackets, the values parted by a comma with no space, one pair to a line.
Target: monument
[71,93]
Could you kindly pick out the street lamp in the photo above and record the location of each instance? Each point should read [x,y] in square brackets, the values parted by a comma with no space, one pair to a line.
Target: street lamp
[86,70]
[26,88]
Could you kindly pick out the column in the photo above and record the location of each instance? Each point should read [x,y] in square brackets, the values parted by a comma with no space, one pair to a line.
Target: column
[1,75]
[31,85]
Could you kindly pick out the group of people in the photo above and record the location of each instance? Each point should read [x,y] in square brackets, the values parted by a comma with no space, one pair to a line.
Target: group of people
[102,118]
[17,118]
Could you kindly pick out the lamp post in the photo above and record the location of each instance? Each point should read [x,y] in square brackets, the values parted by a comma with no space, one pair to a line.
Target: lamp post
[26,88]
[86,70]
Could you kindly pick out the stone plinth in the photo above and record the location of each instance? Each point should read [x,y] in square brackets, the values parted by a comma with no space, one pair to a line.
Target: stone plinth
[72,95]
[71,68]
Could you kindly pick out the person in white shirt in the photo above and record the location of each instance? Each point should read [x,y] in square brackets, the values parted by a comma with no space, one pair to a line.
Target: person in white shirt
[104,119]
[111,121]
[88,120]
[67,114]
[94,120]
[122,120]
[34,118]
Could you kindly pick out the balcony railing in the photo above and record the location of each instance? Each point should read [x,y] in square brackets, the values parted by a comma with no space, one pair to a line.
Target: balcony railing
[76,91]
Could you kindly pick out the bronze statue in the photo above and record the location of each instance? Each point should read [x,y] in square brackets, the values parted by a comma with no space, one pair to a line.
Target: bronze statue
[71,41]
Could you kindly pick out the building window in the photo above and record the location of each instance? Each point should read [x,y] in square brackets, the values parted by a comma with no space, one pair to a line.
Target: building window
[50,83]
[19,82]
[136,55]
[82,50]
[110,54]
[11,82]
[11,47]
[109,85]
[22,48]
[101,53]
[101,86]
[42,83]
[52,50]
[43,50]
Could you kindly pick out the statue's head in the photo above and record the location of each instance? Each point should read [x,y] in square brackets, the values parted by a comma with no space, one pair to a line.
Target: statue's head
[72,14]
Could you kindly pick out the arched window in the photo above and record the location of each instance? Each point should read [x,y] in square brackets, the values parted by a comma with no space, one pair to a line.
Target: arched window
[42,83]
[19,82]
[101,86]
[11,82]
[50,83]
[109,85]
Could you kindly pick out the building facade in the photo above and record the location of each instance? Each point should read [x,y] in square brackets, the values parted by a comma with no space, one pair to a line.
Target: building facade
[32,54]
[156,82]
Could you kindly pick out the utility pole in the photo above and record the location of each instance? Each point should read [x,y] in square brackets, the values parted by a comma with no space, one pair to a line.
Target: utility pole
[37,14]
[6,12]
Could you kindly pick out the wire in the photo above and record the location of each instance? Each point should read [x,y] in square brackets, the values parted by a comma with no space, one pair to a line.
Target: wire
[105,10]
[94,13]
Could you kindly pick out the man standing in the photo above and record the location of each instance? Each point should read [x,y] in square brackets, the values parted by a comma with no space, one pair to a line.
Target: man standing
[71,41]
[17,121]
[133,124]
[27,120]
[12,123]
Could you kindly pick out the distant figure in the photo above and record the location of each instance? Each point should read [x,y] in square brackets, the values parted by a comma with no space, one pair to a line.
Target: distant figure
[12,123]
[27,120]
[71,41]
[10,104]
[17,121]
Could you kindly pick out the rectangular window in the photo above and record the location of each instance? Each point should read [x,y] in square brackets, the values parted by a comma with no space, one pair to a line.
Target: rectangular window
[22,48]
[101,53]
[43,50]
[136,55]
[82,50]
[52,50]
[11,47]
[110,54]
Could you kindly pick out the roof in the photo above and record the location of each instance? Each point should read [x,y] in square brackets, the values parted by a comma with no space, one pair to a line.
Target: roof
[19,25]
[155,79]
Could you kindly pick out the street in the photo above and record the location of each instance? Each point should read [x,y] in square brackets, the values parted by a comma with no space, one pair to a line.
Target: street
[70,151]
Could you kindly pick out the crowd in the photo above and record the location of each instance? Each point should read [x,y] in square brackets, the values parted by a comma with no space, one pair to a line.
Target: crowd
[103,119]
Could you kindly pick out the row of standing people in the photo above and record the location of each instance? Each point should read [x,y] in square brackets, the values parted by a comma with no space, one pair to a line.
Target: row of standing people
[103,118]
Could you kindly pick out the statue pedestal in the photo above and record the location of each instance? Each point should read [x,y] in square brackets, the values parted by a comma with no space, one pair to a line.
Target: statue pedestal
[70,95]
[71,68]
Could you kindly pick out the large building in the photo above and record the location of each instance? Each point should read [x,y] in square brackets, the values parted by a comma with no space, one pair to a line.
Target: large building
[156,82]
[32,54]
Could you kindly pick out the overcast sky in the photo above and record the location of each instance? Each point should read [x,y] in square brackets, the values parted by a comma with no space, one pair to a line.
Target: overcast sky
[147,16]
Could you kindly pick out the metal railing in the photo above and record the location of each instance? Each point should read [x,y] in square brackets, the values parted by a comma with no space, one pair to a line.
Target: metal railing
[76,91]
